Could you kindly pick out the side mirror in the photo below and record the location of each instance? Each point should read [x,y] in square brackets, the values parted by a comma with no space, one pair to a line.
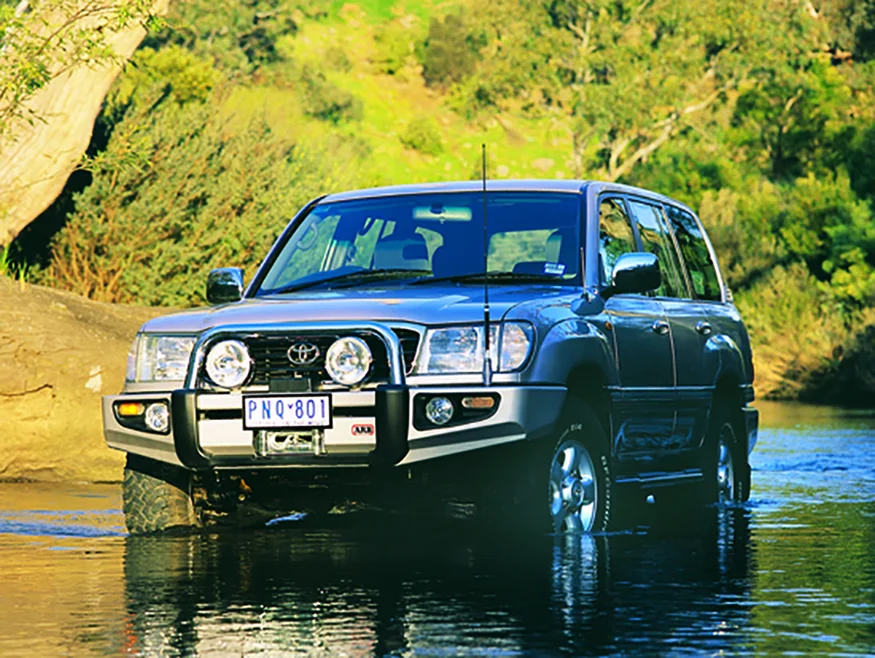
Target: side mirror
[225,285]
[636,272]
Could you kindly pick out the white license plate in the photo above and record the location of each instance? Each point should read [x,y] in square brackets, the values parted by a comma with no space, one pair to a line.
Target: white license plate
[286,411]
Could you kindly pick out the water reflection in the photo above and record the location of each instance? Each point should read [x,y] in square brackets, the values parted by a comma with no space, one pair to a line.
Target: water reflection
[792,573]
[363,586]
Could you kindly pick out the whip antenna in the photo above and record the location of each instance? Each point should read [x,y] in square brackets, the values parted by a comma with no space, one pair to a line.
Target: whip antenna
[487,359]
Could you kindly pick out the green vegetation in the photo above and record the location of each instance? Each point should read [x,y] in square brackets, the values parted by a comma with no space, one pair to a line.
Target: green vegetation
[41,40]
[758,114]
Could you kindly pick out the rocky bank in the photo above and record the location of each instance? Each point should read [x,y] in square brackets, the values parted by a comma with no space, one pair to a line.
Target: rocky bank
[59,353]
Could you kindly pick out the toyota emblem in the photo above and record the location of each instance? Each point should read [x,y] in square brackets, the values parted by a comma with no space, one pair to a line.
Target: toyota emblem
[303,354]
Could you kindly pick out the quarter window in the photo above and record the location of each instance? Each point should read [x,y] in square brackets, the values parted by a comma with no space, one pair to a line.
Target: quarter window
[615,235]
[694,250]
[657,240]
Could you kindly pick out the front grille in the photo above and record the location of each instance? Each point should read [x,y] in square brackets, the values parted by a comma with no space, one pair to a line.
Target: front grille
[271,361]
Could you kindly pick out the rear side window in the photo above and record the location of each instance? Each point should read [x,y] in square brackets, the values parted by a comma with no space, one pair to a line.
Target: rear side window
[657,240]
[615,235]
[694,250]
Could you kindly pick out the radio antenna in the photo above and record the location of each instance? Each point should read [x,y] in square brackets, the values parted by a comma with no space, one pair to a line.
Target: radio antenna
[487,358]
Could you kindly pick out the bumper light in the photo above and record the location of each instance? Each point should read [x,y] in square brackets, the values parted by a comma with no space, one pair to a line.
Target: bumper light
[439,411]
[130,409]
[478,402]
[157,417]
[144,416]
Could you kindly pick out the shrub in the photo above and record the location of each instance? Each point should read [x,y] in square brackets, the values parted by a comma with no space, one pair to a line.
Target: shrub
[424,135]
[201,194]
[326,101]
[448,54]
[394,46]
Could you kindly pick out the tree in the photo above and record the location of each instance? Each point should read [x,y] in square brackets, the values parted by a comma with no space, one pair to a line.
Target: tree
[59,58]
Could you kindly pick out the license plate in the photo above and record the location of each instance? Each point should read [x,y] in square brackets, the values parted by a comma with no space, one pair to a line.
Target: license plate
[286,411]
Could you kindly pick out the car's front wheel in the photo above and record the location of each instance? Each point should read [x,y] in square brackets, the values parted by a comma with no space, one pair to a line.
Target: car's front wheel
[576,476]
[156,496]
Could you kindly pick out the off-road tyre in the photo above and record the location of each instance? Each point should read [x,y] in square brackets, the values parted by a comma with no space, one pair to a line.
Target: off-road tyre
[726,425]
[578,425]
[156,497]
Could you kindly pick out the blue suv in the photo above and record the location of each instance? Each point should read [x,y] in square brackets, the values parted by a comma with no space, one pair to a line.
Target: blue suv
[533,345]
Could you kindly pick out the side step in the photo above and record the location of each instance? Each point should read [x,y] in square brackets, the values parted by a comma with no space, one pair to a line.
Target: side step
[662,479]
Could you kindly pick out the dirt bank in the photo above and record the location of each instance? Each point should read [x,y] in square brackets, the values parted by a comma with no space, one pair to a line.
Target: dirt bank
[59,353]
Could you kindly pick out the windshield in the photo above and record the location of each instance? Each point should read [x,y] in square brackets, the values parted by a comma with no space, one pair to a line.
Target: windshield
[424,237]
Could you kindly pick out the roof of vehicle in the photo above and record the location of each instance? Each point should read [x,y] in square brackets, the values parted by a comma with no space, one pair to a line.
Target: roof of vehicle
[546,185]
[529,185]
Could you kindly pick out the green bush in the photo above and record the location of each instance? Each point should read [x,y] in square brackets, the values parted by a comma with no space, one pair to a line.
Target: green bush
[424,135]
[203,194]
[448,54]
[326,101]
[394,46]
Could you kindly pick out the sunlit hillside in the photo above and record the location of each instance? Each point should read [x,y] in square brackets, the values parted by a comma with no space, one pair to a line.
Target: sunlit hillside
[760,115]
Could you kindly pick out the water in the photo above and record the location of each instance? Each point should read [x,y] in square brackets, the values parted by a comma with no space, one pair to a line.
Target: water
[791,573]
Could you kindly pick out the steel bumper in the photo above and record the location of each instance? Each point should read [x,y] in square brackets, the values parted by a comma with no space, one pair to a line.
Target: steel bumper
[207,432]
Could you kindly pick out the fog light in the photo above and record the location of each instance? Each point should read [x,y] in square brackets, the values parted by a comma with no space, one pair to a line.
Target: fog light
[157,417]
[439,411]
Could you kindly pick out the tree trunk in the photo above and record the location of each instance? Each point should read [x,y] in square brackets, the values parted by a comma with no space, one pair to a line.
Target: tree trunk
[37,158]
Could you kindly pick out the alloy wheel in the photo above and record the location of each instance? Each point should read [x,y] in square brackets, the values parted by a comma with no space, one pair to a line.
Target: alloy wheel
[573,488]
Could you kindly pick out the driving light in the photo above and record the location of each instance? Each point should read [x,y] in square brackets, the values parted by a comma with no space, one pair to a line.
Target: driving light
[157,417]
[439,411]
[228,364]
[348,360]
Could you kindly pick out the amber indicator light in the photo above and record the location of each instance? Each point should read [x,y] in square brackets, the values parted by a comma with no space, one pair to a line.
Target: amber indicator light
[479,402]
[130,409]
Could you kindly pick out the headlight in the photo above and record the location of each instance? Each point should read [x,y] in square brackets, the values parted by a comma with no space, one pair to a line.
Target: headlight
[460,349]
[348,360]
[159,358]
[228,363]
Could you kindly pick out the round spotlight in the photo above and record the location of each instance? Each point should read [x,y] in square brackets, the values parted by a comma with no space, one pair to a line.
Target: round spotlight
[439,411]
[348,360]
[157,417]
[228,363]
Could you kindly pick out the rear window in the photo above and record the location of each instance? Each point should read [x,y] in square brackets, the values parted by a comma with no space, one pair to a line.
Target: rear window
[697,258]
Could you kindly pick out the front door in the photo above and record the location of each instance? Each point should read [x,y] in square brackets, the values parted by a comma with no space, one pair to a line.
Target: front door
[644,402]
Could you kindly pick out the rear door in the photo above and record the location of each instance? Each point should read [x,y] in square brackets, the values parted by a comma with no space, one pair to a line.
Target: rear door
[688,321]
[644,403]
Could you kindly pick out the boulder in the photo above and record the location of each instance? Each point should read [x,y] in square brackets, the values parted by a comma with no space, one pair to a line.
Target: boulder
[59,353]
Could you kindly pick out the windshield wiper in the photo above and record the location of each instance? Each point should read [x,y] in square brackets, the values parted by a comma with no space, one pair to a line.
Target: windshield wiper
[351,278]
[492,276]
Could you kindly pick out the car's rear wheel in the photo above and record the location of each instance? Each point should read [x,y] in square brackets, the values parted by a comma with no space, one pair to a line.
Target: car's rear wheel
[725,469]
[156,496]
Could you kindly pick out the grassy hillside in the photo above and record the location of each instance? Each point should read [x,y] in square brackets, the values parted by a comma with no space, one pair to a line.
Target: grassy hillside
[758,114]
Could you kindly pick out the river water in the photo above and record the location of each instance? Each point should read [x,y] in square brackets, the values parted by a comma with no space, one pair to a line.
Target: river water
[792,572]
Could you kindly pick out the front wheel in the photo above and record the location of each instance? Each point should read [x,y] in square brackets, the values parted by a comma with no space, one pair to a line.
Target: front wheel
[578,478]
[156,496]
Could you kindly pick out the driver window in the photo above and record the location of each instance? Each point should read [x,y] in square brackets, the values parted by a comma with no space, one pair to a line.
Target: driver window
[615,236]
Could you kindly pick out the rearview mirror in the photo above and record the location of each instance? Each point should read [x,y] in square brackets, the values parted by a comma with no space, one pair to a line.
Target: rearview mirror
[225,285]
[636,272]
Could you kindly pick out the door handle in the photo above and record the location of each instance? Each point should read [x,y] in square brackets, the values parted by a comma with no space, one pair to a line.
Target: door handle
[703,328]
[660,327]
